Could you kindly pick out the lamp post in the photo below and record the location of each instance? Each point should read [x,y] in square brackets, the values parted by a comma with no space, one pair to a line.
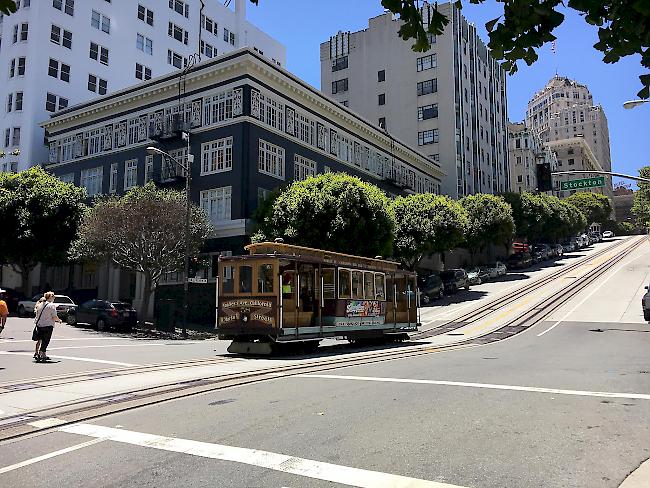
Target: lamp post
[188,174]
[630,104]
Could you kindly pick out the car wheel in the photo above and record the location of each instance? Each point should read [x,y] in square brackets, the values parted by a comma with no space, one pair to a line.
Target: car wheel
[467,286]
[441,294]
[21,311]
[71,319]
[101,325]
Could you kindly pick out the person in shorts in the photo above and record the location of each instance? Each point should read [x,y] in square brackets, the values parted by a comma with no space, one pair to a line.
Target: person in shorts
[4,310]
[46,317]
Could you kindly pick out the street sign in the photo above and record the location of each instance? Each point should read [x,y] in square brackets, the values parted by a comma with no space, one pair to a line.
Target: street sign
[197,280]
[595,182]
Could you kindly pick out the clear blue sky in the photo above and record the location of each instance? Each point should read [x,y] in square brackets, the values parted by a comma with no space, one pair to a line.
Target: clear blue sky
[301,25]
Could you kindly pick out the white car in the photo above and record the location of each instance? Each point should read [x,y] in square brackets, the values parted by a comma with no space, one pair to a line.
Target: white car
[63,304]
[497,269]
[608,234]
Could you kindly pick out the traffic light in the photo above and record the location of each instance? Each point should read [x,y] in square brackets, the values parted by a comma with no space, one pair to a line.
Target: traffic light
[544,182]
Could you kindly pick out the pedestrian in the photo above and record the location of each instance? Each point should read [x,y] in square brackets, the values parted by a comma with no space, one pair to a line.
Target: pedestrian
[4,310]
[46,317]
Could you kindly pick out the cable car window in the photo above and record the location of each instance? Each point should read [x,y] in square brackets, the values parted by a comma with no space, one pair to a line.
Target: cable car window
[357,285]
[380,286]
[245,279]
[369,286]
[287,283]
[228,283]
[329,289]
[344,283]
[265,278]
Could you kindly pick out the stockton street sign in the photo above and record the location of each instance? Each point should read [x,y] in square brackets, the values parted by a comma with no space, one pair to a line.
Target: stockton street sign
[595,182]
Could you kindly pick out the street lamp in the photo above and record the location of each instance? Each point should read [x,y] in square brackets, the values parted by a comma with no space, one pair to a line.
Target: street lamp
[188,174]
[630,104]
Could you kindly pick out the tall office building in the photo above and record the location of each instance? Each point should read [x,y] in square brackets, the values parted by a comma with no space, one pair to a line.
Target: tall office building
[564,112]
[56,53]
[448,102]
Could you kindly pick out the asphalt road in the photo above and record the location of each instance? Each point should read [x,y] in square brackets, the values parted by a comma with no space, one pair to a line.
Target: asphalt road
[564,404]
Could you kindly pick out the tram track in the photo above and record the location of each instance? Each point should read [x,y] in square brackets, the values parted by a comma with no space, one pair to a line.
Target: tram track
[100,406]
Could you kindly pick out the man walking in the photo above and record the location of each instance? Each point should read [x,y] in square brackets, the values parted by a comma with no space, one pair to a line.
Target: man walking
[4,310]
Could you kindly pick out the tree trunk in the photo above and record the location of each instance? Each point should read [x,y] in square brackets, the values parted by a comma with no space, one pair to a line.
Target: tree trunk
[144,313]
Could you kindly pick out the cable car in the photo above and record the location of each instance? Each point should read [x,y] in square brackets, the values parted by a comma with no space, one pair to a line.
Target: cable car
[285,294]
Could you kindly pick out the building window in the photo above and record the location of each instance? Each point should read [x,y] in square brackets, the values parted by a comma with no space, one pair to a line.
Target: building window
[99,53]
[21,32]
[18,102]
[100,21]
[174,59]
[428,112]
[142,72]
[339,86]
[427,137]
[303,168]
[271,159]
[216,156]
[217,204]
[271,112]
[51,102]
[145,15]
[262,195]
[10,102]
[339,63]
[381,75]
[180,7]
[520,178]
[97,85]
[91,180]
[426,87]
[148,168]
[67,6]
[382,99]
[144,44]
[67,178]
[210,25]
[61,37]
[130,174]
[207,49]
[7,136]
[21,67]
[177,33]
[382,122]
[217,108]
[426,62]
[571,161]
[59,70]
[112,178]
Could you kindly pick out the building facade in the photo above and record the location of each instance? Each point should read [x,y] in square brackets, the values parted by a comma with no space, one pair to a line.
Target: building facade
[525,152]
[253,127]
[449,102]
[573,154]
[564,109]
[56,53]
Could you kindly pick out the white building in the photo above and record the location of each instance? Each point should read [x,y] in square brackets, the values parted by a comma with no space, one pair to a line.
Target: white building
[526,151]
[448,102]
[55,53]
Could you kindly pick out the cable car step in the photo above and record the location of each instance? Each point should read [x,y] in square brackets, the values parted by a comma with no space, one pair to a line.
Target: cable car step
[256,348]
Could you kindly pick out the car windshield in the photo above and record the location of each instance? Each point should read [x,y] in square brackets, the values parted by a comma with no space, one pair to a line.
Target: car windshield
[62,299]
[121,306]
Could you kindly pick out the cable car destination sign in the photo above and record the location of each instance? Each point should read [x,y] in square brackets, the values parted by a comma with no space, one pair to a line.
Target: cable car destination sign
[595,182]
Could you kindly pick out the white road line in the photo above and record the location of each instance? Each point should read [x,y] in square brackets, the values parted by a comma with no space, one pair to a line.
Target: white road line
[254,457]
[114,345]
[22,464]
[602,394]
[11,341]
[46,423]
[71,358]
[589,296]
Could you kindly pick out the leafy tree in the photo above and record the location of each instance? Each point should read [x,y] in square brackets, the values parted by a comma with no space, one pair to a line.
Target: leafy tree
[489,221]
[426,223]
[40,215]
[531,213]
[150,237]
[7,6]
[641,206]
[332,211]
[526,25]
[594,206]
[625,229]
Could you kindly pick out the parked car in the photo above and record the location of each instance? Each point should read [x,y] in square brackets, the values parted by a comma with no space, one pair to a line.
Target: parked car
[581,241]
[608,234]
[496,269]
[520,260]
[477,275]
[645,304]
[104,314]
[63,306]
[586,240]
[431,288]
[569,246]
[559,250]
[454,280]
[597,236]
[12,297]
[541,252]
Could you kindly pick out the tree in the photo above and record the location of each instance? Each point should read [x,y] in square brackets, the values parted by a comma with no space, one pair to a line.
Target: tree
[7,6]
[143,231]
[595,207]
[489,221]
[426,223]
[332,211]
[641,206]
[530,212]
[40,215]
[526,25]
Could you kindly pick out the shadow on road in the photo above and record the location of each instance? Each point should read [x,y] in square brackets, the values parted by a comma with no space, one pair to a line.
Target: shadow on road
[461,296]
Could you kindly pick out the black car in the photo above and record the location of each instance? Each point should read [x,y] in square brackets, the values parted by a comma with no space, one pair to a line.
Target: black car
[454,280]
[519,260]
[431,288]
[12,297]
[541,252]
[104,314]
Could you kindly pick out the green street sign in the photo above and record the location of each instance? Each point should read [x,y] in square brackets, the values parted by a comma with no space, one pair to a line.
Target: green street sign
[595,182]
